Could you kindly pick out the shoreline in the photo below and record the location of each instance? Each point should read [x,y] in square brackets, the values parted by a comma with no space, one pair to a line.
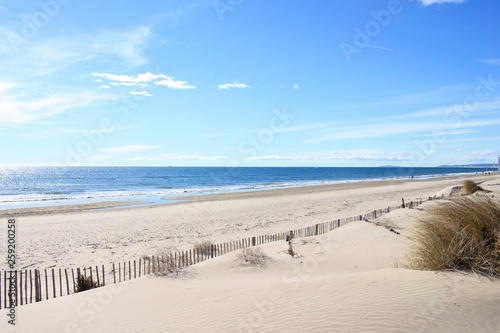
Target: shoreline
[69,236]
[61,208]
[157,197]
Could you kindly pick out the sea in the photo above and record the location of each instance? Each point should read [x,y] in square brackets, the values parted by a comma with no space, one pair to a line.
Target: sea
[22,187]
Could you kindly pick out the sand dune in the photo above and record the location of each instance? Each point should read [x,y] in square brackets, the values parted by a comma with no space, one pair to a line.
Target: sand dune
[349,280]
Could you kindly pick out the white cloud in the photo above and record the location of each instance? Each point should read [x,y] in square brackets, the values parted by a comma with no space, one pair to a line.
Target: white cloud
[20,109]
[232,85]
[433,2]
[143,79]
[104,86]
[169,82]
[4,86]
[141,93]
[129,148]
[296,86]
[449,133]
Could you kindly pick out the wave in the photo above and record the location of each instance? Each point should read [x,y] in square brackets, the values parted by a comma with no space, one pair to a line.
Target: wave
[121,194]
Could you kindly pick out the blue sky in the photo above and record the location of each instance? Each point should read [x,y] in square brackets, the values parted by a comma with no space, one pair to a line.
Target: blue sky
[249,83]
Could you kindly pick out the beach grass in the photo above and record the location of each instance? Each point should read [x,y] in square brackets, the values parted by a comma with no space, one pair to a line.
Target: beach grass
[85,283]
[460,234]
[470,187]
[204,247]
[254,256]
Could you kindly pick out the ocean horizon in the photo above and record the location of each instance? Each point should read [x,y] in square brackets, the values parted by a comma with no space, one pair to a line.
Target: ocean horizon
[23,187]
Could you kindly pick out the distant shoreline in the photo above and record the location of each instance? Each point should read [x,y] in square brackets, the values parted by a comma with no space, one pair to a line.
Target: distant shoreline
[219,196]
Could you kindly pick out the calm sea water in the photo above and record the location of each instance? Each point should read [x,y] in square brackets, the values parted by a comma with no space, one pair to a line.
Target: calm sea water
[36,186]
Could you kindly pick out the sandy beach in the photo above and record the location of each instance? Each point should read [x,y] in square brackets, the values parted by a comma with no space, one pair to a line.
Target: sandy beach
[349,280]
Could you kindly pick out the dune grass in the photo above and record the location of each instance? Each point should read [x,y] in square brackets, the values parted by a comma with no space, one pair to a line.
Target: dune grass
[461,234]
[85,283]
[163,263]
[469,187]
[204,247]
[254,256]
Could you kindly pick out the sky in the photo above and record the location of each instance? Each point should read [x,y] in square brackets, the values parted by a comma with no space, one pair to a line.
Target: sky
[410,83]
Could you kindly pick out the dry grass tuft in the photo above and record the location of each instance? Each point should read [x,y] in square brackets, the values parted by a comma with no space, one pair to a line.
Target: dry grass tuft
[85,283]
[469,187]
[254,256]
[463,233]
[204,247]
[163,263]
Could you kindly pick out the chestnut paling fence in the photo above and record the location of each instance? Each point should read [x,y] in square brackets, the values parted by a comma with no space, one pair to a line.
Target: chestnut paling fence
[26,286]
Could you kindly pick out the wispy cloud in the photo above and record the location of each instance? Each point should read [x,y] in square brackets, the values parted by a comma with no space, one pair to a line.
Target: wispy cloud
[494,62]
[462,140]
[141,93]
[45,56]
[330,157]
[181,157]
[389,129]
[296,86]
[20,108]
[434,2]
[492,153]
[143,80]
[451,133]
[129,148]
[232,85]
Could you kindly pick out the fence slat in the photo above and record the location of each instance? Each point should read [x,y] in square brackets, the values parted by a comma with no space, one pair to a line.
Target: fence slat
[67,281]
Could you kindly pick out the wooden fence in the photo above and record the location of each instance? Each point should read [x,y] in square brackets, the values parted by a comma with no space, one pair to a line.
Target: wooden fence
[35,285]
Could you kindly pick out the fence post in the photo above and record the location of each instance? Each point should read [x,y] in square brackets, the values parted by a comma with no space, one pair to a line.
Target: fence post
[60,283]
[73,276]
[67,281]
[31,288]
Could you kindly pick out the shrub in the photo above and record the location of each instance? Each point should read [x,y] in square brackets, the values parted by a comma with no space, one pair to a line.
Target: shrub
[204,247]
[163,263]
[469,187]
[253,256]
[85,283]
[460,234]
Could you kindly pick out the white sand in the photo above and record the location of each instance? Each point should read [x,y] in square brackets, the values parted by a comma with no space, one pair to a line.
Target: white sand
[345,281]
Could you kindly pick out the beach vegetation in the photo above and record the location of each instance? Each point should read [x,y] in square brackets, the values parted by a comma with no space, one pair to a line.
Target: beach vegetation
[85,283]
[204,247]
[469,187]
[254,256]
[460,234]
[163,262]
